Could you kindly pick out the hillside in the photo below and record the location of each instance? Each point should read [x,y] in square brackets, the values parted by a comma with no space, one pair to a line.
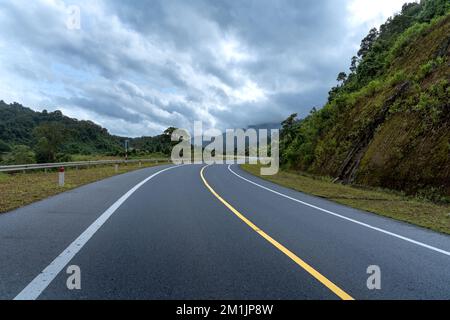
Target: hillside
[17,125]
[387,124]
[28,136]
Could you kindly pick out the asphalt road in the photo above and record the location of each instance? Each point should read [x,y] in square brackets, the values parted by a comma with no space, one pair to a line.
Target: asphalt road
[216,233]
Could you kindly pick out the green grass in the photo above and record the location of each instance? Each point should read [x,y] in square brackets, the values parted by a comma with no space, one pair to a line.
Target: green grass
[94,157]
[383,202]
[19,189]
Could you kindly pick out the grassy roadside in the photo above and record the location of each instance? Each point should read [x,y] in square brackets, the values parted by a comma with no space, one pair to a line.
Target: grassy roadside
[383,202]
[19,189]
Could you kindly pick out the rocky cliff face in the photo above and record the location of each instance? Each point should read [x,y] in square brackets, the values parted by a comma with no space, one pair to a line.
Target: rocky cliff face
[392,132]
[403,127]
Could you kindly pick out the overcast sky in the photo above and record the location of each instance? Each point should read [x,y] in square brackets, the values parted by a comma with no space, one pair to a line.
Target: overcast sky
[138,67]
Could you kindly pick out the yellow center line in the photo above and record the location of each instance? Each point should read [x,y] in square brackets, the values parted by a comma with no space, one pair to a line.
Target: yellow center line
[322,279]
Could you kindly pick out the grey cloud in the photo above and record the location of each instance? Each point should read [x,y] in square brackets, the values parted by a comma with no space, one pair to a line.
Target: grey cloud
[159,63]
[103,107]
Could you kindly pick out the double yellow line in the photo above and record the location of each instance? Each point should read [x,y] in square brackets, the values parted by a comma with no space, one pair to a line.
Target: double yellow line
[322,279]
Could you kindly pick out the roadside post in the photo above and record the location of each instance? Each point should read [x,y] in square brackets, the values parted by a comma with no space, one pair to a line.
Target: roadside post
[61,177]
[127,142]
[116,168]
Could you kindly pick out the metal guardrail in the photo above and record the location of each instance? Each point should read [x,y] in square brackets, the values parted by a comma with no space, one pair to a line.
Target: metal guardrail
[37,166]
[24,167]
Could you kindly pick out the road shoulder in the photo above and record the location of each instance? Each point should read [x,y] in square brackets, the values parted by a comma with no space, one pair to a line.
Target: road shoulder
[381,202]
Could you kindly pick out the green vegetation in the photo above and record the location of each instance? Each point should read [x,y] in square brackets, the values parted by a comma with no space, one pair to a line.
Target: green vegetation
[383,202]
[160,144]
[387,123]
[20,189]
[19,154]
[27,136]
[133,156]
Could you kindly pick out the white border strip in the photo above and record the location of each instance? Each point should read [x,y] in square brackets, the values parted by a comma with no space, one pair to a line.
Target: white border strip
[447,253]
[34,289]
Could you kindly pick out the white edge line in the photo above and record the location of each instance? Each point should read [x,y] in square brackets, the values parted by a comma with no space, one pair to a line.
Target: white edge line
[344,217]
[34,289]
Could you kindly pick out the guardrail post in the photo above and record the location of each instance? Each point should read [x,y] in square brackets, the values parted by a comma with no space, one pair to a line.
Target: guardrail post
[61,177]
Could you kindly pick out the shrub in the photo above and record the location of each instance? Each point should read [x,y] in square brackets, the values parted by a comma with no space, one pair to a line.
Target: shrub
[428,67]
[397,78]
[404,39]
[19,154]
[63,157]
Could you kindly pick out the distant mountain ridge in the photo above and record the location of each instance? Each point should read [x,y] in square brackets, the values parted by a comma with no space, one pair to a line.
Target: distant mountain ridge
[18,124]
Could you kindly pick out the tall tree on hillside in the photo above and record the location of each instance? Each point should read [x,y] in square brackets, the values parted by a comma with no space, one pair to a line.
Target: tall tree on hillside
[49,138]
[354,64]
[342,76]
[168,135]
[367,42]
[168,144]
[169,131]
[287,128]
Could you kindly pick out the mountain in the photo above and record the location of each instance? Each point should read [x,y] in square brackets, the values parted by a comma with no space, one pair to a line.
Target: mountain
[387,123]
[22,126]
[17,125]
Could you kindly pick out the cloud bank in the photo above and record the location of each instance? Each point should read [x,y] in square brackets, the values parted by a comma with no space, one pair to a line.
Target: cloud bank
[137,67]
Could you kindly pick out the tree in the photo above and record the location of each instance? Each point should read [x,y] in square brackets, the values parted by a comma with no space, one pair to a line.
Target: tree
[433,8]
[367,42]
[169,131]
[44,152]
[167,143]
[49,136]
[354,64]
[288,129]
[289,122]
[342,76]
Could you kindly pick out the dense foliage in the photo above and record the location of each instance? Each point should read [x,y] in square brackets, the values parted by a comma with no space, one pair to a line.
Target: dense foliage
[386,123]
[27,136]
[157,144]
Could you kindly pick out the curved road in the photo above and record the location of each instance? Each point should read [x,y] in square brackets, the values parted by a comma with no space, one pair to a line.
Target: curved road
[215,232]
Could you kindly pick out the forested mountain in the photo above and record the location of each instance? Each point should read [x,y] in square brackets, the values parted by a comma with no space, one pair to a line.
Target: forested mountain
[18,124]
[387,123]
[27,136]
